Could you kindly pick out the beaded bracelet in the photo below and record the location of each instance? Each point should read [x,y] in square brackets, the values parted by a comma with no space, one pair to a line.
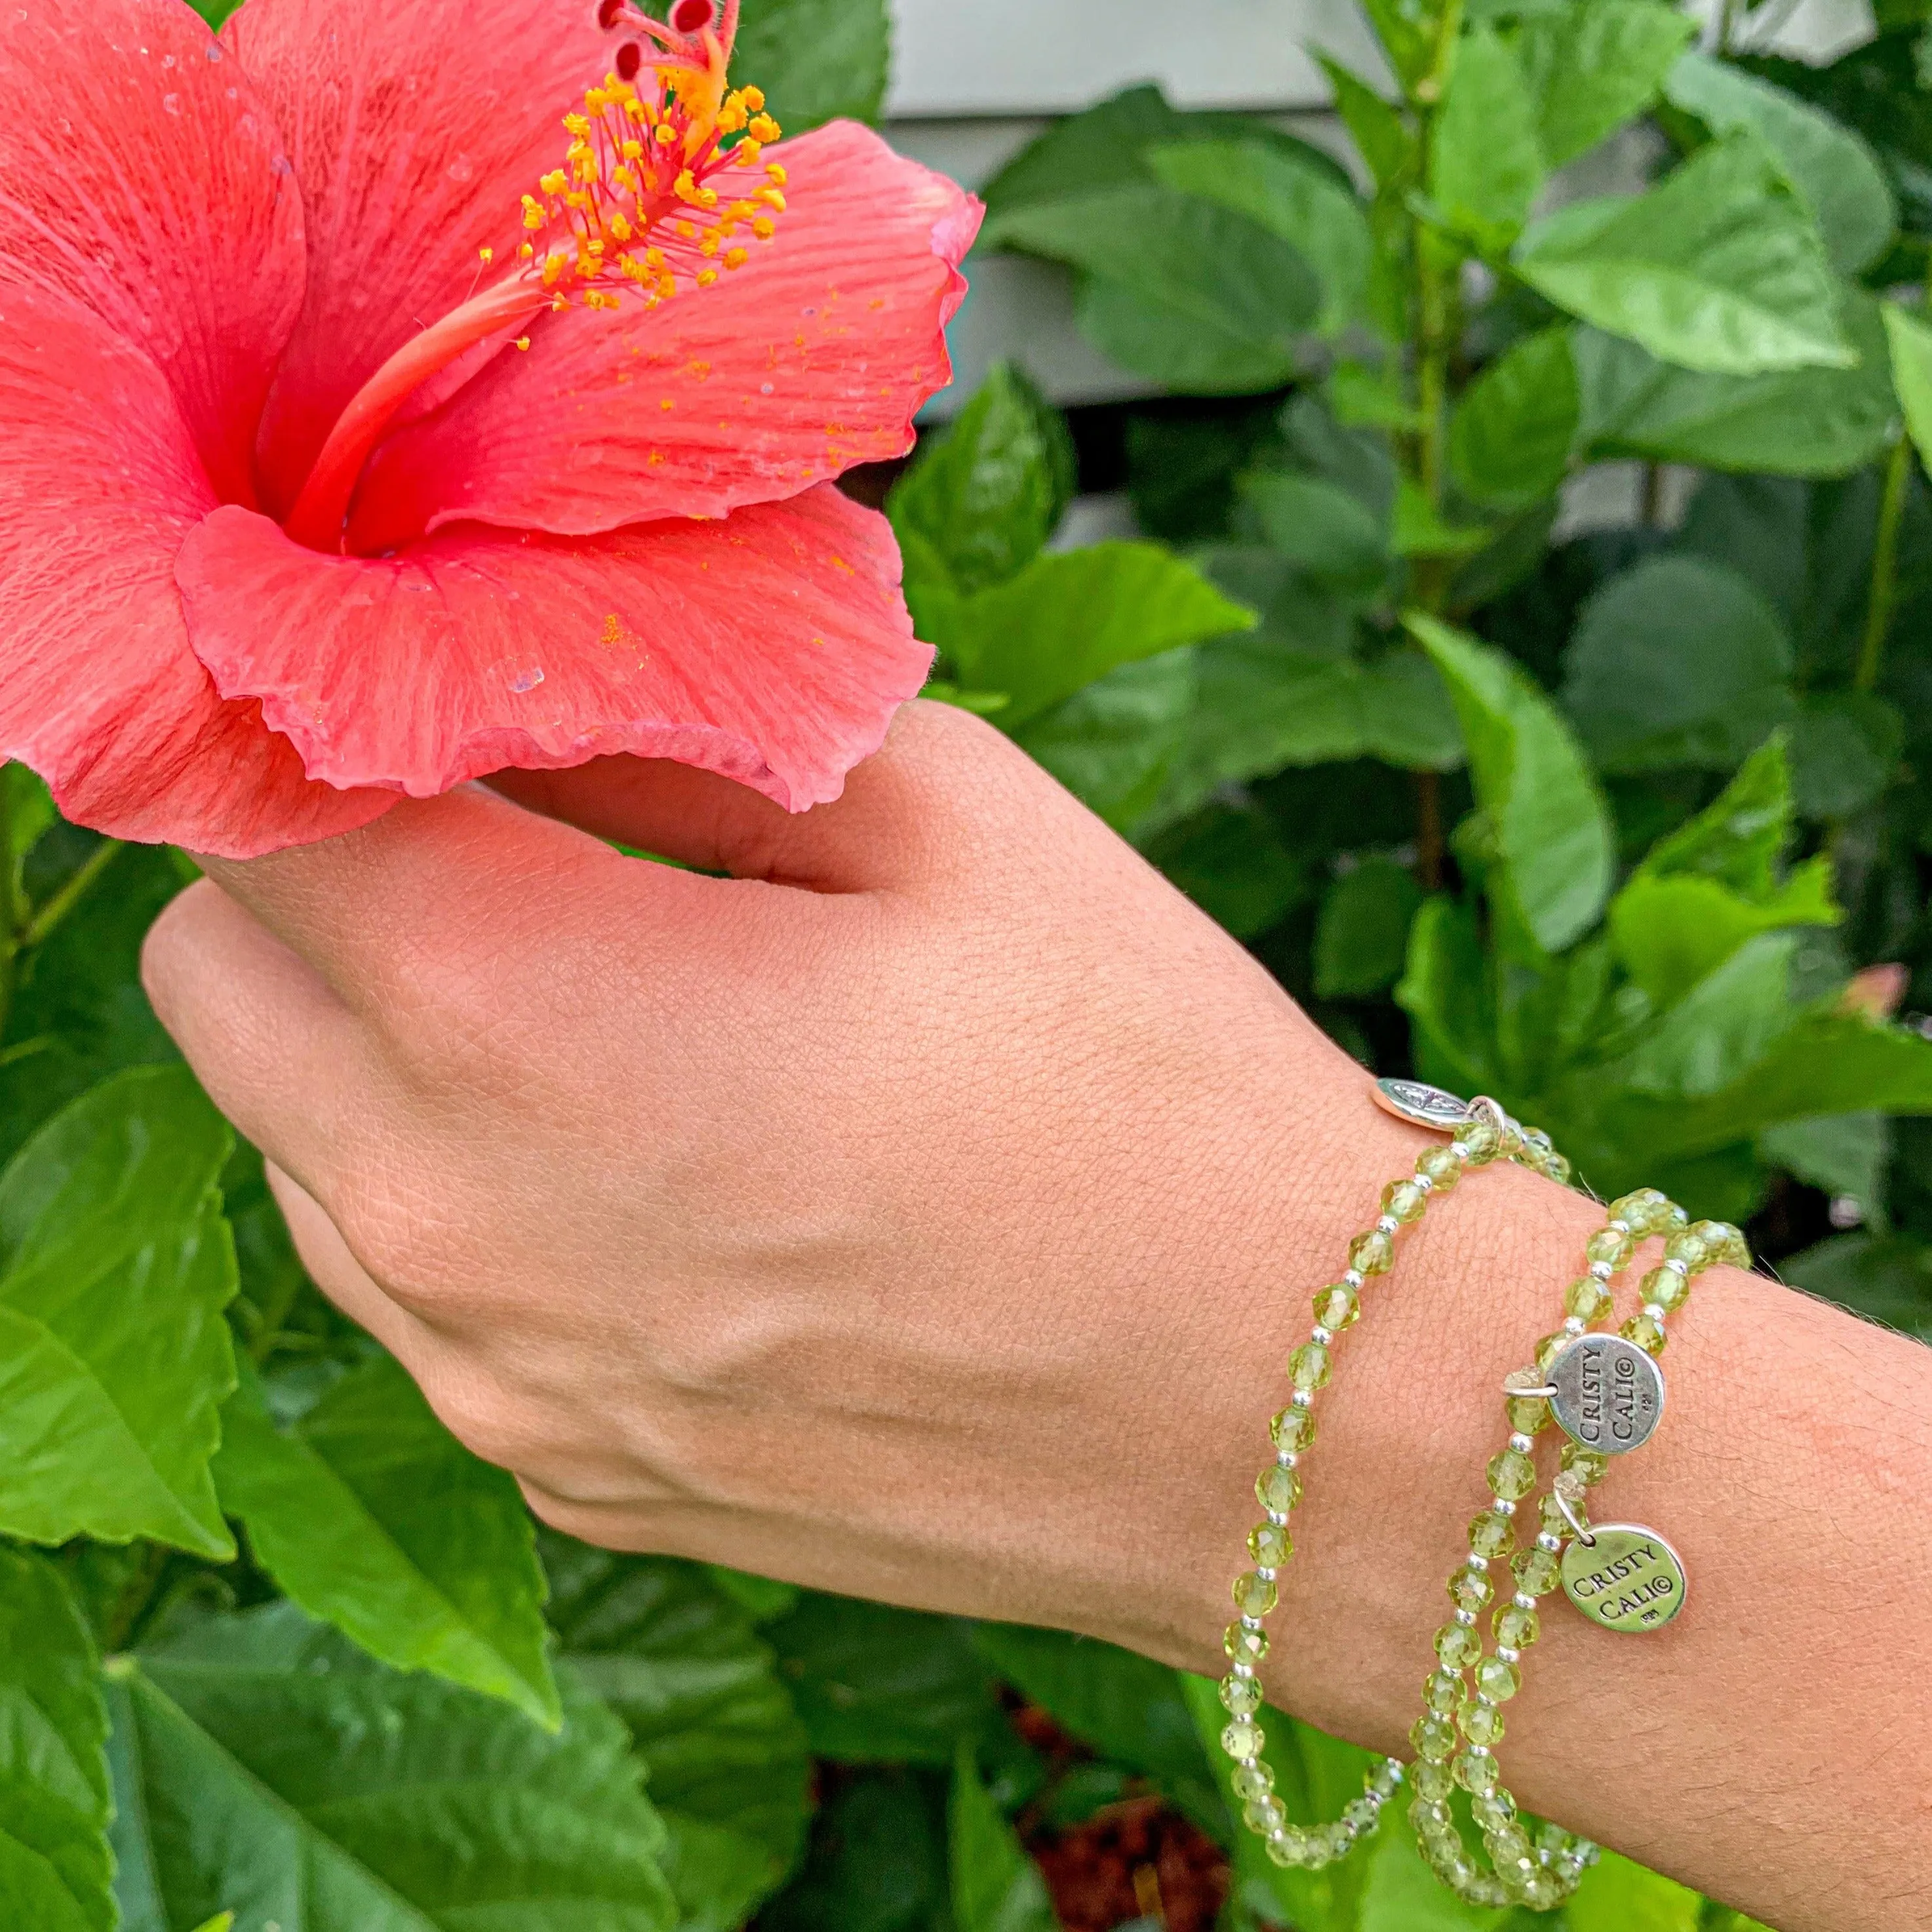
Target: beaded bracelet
[1480,1133]
[1606,1394]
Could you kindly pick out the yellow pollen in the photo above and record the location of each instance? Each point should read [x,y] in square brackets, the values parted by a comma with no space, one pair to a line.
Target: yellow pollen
[523,343]
[486,256]
[780,176]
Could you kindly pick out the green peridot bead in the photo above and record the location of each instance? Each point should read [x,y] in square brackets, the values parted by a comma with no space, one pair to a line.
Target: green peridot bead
[1240,1696]
[1542,1891]
[1612,1245]
[1287,1846]
[1371,1253]
[1688,1247]
[1512,1475]
[1587,1298]
[1270,1547]
[1470,1590]
[1493,1811]
[1434,1738]
[1528,1415]
[1724,1243]
[1640,1212]
[1294,1429]
[1255,1596]
[1440,1168]
[1405,1201]
[1479,1142]
[1243,1738]
[1252,1783]
[1443,1692]
[1308,1367]
[1432,1783]
[1264,1814]
[1647,1332]
[1550,1348]
[1591,1465]
[1244,1646]
[1508,1847]
[1517,1628]
[1490,1534]
[1538,1572]
[1278,1489]
[1338,1307]
[1482,1724]
[1497,1680]
[1477,1769]
[1458,1646]
[1432,1815]
[1667,1288]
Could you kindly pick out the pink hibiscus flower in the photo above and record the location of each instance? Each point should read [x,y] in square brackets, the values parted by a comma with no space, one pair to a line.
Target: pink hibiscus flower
[367,430]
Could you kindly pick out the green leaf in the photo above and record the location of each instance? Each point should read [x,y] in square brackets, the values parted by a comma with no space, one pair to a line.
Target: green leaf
[1845,1154]
[1070,618]
[761,1598]
[1722,1028]
[263,1764]
[877,1862]
[373,1517]
[1324,531]
[1888,1277]
[27,810]
[56,1874]
[1421,530]
[984,498]
[1550,826]
[1384,144]
[1677,662]
[222,1921]
[996,1887]
[1845,751]
[1910,338]
[115,1265]
[725,1750]
[1594,68]
[1511,440]
[1670,933]
[1409,31]
[1400,1893]
[1230,860]
[1804,422]
[1487,162]
[1362,942]
[878,1685]
[1114,744]
[1444,990]
[1738,839]
[1833,170]
[1617,1896]
[1293,199]
[1719,269]
[818,60]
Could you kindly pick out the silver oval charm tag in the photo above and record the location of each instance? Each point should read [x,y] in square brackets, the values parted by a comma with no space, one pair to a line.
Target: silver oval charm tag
[1627,1578]
[1609,1394]
[1423,1106]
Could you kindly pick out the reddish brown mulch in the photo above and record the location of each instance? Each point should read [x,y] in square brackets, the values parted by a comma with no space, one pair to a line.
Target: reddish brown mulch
[1137,1860]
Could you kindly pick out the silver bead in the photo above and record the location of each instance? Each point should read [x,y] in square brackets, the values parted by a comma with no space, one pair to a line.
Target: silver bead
[1388,1224]
[1277,1518]
[1522,1444]
[1657,1311]
[1574,1324]
[1554,1544]
[1320,1336]
[1603,1270]
[1423,1184]
[1618,1226]
[1265,1573]
[1503,1506]
[1467,1618]
[1681,1269]
[1354,1278]
[1508,1655]
[1524,1600]
[1242,1670]
[1286,1458]
[1301,1399]
[1252,1624]
[1480,1565]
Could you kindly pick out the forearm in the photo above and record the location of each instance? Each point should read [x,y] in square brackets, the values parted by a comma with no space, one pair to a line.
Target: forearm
[1773,1746]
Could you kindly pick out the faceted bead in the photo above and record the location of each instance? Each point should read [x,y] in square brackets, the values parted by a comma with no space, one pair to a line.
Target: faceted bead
[1278,1489]
[1508,1847]
[1558,1167]
[1470,1590]
[1432,1815]
[1498,1679]
[1431,1781]
[1371,1253]
[1493,1811]
[1550,1348]
[1543,1891]
[1725,1243]
[1458,1646]
[1477,1769]
[1491,1534]
[1646,1331]
[1308,1367]
[1517,1628]
[1243,1738]
[1405,1201]
[1667,1288]
[1479,1142]
[1270,1546]
[1537,1572]
[1264,1814]
[1240,1696]
[1688,1247]
[1440,1168]
[1252,1783]
[1610,1245]
[1642,1213]
[1591,1465]
[1482,1724]
[1512,1475]
[1255,1596]
[1528,1415]
[1287,1846]
[1294,1429]
[1587,1298]
[1243,1645]
[1443,1692]
[1434,1737]
[1338,1307]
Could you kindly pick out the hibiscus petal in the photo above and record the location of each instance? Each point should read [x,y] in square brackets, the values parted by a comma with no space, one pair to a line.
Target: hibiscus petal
[415,126]
[138,173]
[773,647]
[813,358]
[99,484]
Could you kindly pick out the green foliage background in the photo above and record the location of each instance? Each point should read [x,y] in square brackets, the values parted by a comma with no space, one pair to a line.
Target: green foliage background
[1614,824]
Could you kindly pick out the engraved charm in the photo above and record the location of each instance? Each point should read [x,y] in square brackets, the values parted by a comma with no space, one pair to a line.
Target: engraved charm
[1608,1394]
[1627,1578]
[1423,1106]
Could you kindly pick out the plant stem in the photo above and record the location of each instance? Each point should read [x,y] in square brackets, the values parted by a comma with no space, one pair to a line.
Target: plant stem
[1884,600]
[136,1601]
[40,927]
